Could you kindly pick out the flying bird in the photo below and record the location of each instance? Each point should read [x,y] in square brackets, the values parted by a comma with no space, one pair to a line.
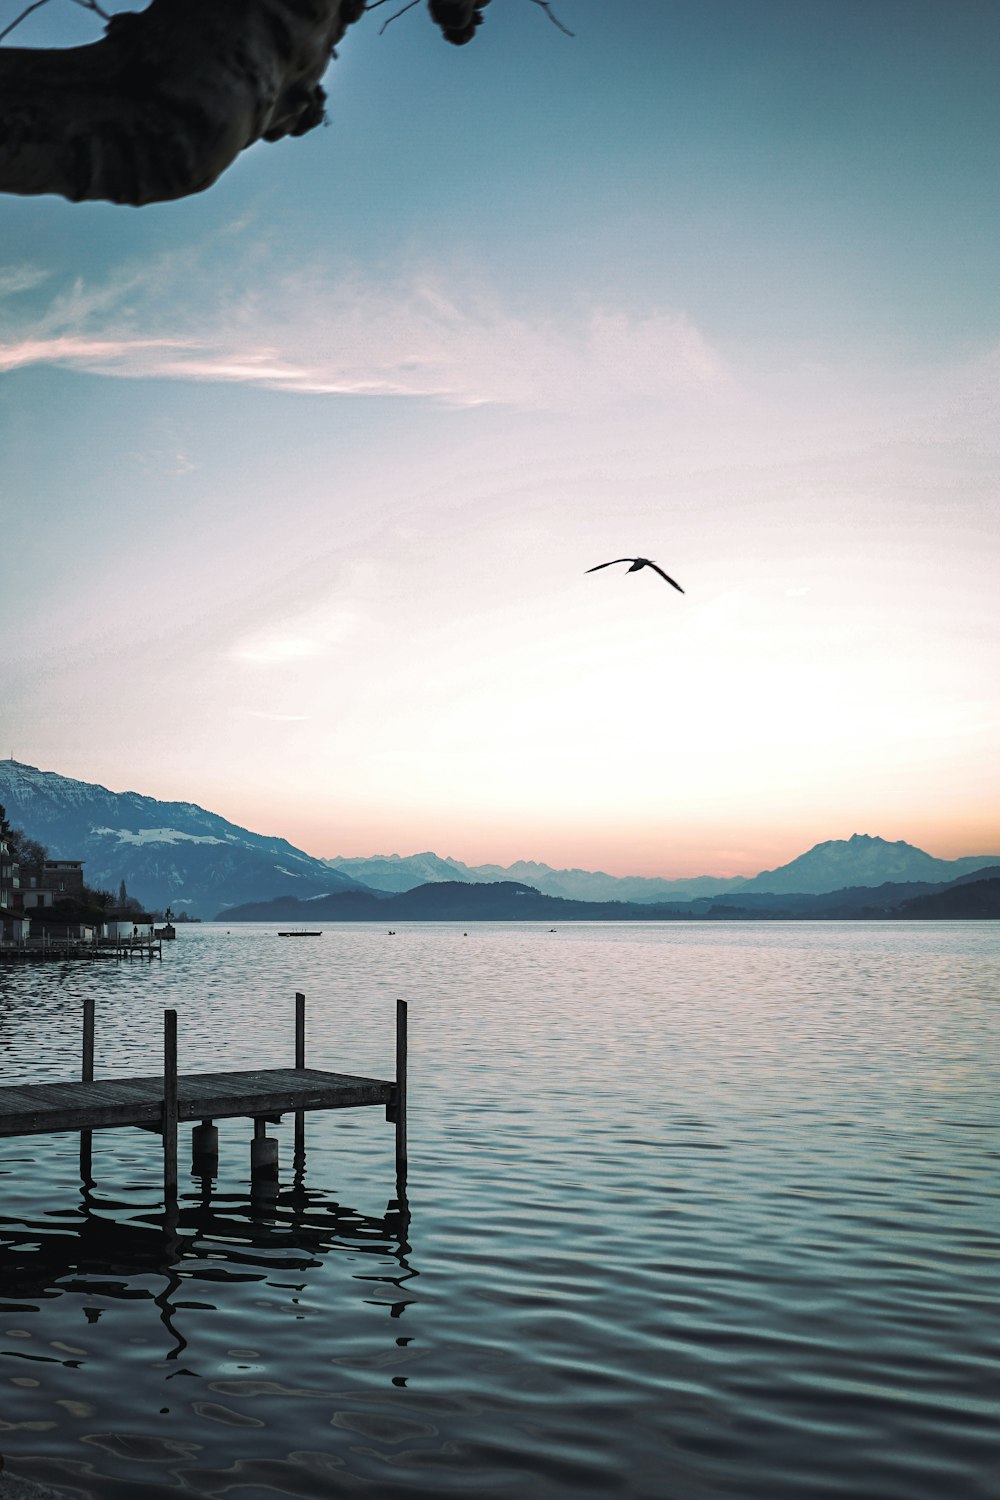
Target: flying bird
[637,563]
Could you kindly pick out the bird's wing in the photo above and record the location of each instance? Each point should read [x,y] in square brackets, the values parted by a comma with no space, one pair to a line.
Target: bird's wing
[657,569]
[611,564]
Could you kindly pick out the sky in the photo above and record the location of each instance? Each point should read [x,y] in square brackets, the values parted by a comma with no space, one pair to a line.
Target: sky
[300,478]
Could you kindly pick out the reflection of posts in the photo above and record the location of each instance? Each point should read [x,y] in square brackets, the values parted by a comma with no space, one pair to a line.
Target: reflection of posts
[263,1151]
[300,1062]
[396,1109]
[252,1235]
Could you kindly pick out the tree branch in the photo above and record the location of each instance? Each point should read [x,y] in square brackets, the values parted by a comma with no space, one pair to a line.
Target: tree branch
[93,5]
[545,5]
[167,100]
[394,17]
[37,5]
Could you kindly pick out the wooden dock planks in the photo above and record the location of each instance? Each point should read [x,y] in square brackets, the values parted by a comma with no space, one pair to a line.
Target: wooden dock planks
[39,1108]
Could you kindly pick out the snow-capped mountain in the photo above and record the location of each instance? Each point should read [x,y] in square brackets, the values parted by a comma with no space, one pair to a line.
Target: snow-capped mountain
[403,872]
[168,853]
[861,860]
[596,885]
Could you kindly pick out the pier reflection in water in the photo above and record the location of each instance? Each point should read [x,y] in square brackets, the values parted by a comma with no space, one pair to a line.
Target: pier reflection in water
[218,1266]
[220,1237]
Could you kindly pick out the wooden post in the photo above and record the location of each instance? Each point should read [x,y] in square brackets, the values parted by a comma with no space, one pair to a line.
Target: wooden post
[169,1107]
[87,1076]
[400,1102]
[300,1029]
[300,1062]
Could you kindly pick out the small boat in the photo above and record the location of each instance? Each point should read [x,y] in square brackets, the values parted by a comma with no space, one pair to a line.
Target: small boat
[300,933]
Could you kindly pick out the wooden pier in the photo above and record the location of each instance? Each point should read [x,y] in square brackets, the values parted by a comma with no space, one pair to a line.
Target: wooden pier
[161,1102]
[35,950]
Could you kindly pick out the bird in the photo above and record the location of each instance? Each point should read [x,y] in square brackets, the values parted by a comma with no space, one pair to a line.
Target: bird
[637,563]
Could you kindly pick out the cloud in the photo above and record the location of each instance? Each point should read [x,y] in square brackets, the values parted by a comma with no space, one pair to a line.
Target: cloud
[341,331]
[23,278]
[99,356]
[307,636]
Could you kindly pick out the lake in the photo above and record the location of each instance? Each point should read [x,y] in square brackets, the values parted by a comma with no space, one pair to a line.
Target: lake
[691,1212]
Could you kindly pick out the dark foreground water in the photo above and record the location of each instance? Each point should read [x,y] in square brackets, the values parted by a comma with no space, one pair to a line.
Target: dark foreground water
[691,1212]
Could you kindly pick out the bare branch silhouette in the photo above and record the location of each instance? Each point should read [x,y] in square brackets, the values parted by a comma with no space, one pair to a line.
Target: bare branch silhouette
[37,5]
[93,5]
[394,17]
[544,5]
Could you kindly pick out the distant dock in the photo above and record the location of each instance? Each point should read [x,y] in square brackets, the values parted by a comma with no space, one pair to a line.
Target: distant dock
[161,1102]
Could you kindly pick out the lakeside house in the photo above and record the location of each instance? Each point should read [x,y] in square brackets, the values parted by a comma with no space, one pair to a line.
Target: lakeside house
[28,907]
[59,878]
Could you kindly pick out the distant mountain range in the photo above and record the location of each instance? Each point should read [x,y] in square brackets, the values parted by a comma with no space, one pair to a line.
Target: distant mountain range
[858,861]
[398,872]
[177,854]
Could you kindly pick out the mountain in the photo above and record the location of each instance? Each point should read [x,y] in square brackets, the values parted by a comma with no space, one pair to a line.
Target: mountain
[861,861]
[595,885]
[836,865]
[964,900]
[168,853]
[847,902]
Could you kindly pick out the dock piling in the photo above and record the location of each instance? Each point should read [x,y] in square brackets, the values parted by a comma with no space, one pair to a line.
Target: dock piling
[205,1150]
[300,1029]
[169,1107]
[87,1076]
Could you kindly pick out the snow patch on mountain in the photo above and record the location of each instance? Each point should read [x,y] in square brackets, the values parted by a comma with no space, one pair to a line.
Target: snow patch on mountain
[157,836]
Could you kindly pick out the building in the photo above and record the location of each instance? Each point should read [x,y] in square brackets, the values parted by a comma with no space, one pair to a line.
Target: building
[33,896]
[9,875]
[56,927]
[14,924]
[126,927]
[64,877]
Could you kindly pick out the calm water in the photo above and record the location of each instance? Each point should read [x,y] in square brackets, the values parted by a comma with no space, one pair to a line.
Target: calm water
[690,1213]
